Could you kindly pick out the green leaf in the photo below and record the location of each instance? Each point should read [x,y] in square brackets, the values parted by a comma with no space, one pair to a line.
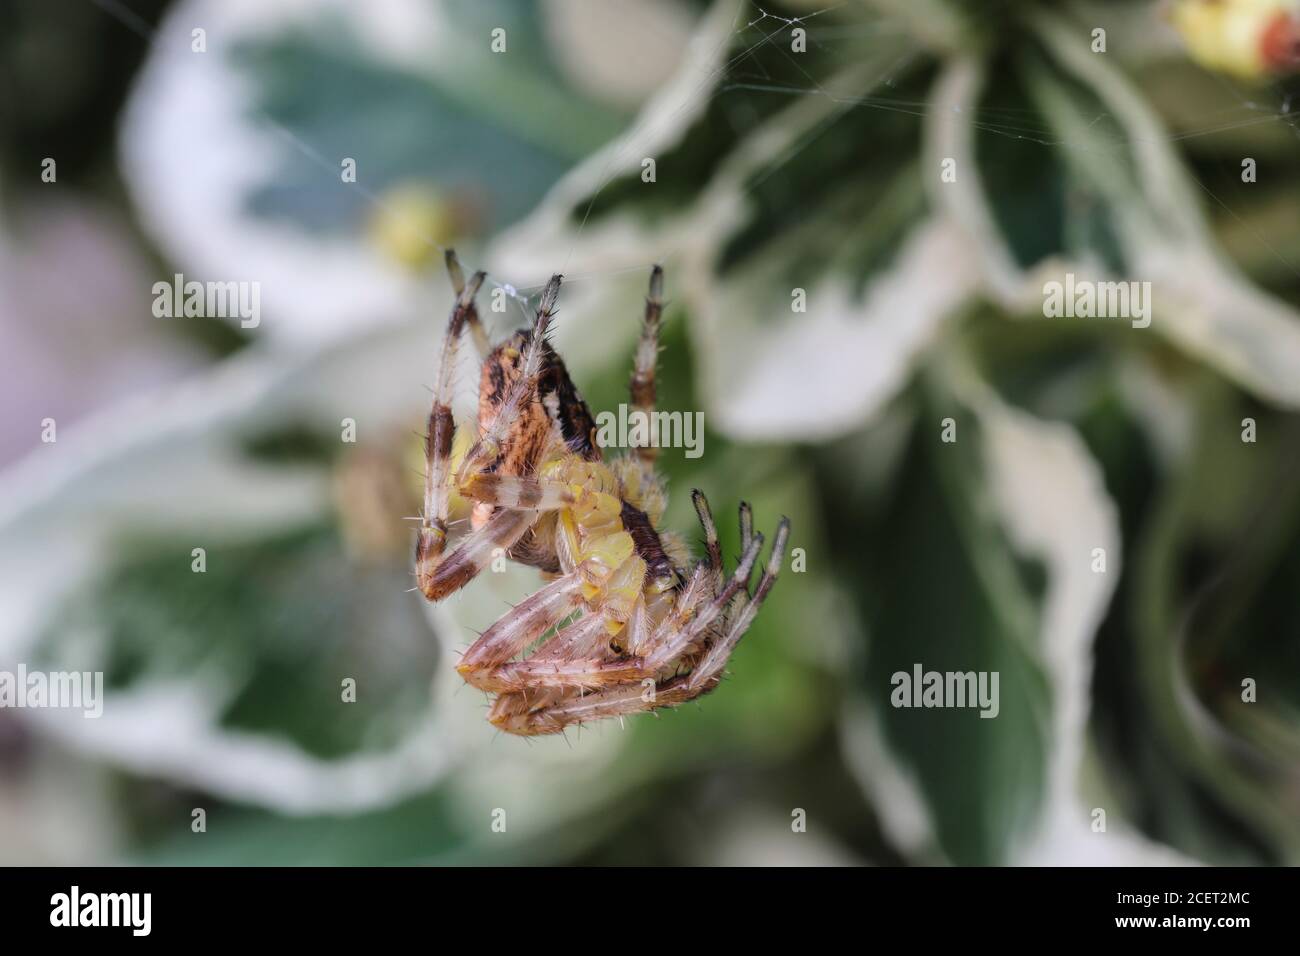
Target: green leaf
[1209,523]
[279,622]
[1214,605]
[1113,202]
[324,87]
[940,586]
[808,263]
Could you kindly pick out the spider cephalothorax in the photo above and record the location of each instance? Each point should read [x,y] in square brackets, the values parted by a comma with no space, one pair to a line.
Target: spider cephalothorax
[626,623]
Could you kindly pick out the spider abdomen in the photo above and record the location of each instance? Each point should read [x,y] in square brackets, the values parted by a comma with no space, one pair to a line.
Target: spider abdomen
[560,408]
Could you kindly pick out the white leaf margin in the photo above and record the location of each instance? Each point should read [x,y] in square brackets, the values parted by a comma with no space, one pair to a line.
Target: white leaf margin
[814,378]
[189,156]
[169,459]
[1051,499]
[1049,496]
[1202,303]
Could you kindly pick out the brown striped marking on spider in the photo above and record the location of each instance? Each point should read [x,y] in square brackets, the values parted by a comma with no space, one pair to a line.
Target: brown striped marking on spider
[625,622]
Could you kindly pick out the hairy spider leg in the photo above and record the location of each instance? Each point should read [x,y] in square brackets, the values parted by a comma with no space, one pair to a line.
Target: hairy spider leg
[676,636]
[521,626]
[596,671]
[441,575]
[487,450]
[642,385]
[482,345]
[711,544]
[522,499]
[488,664]
[586,637]
[746,535]
[511,713]
[439,435]
[709,669]
[530,620]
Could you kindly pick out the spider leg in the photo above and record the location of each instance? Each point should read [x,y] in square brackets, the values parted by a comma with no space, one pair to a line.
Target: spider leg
[488,448]
[512,715]
[514,491]
[746,536]
[640,629]
[551,715]
[642,386]
[549,710]
[586,637]
[710,536]
[685,626]
[524,624]
[439,576]
[512,711]
[708,671]
[476,330]
[675,636]
[442,429]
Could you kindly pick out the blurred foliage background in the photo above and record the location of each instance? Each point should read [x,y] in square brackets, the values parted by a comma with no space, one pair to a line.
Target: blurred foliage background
[796,146]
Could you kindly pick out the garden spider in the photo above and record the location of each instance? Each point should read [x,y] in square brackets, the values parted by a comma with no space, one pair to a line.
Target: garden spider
[625,624]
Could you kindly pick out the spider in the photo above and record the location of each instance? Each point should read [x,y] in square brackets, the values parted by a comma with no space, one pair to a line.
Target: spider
[626,623]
